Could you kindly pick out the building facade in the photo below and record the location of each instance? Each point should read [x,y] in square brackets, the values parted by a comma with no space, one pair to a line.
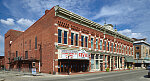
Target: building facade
[61,41]
[1,62]
[141,53]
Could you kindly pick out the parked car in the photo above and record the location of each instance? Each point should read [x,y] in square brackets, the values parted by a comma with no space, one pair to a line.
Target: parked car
[149,73]
[148,67]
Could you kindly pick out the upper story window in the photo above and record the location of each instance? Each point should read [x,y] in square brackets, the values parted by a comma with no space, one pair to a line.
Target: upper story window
[112,47]
[82,40]
[137,48]
[108,46]
[76,40]
[128,50]
[118,48]
[101,44]
[124,49]
[96,43]
[59,35]
[92,43]
[36,42]
[16,53]
[86,41]
[72,38]
[115,47]
[29,44]
[105,45]
[26,54]
[65,37]
[131,51]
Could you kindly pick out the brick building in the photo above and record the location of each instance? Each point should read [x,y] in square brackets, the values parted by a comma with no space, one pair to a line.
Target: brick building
[141,53]
[61,40]
[1,62]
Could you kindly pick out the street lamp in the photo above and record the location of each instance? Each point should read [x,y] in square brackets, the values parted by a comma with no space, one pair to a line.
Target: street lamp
[68,64]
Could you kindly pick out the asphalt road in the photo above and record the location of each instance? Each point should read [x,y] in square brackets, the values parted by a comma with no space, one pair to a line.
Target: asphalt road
[136,75]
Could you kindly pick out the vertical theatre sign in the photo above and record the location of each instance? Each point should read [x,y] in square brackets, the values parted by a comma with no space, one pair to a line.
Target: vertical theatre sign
[73,54]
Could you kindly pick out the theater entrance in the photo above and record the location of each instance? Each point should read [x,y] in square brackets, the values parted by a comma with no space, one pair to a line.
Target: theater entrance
[72,65]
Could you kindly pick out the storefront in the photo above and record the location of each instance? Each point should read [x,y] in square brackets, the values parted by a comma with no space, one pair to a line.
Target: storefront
[73,61]
[129,62]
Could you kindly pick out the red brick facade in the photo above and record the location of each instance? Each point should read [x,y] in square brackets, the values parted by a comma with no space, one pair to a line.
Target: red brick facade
[46,31]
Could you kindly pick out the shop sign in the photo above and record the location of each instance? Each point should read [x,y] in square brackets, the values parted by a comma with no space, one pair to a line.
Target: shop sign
[73,54]
[82,54]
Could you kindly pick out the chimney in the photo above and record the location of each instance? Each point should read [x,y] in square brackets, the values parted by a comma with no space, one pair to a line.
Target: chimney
[46,11]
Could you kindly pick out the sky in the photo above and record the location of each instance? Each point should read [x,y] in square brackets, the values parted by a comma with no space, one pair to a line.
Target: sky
[131,17]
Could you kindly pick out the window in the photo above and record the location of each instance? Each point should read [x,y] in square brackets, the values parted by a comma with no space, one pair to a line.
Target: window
[123,49]
[137,48]
[105,61]
[30,45]
[121,62]
[92,43]
[82,40]
[137,55]
[101,56]
[116,61]
[16,53]
[26,54]
[59,35]
[36,42]
[108,46]
[112,47]
[128,50]
[118,48]
[115,48]
[72,38]
[86,41]
[96,43]
[92,61]
[101,44]
[76,39]
[65,37]
[105,45]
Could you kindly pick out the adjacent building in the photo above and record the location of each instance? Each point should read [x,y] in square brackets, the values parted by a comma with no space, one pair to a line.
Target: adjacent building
[141,53]
[2,62]
[62,41]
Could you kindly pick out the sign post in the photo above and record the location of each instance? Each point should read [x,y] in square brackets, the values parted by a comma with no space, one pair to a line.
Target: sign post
[34,71]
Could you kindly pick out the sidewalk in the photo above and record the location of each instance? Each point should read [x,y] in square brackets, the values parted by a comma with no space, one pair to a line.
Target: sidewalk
[78,73]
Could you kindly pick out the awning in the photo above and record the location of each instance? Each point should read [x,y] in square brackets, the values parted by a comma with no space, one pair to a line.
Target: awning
[138,61]
[129,59]
[146,61]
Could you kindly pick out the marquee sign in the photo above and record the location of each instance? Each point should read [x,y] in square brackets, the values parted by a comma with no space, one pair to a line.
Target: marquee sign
[73,54]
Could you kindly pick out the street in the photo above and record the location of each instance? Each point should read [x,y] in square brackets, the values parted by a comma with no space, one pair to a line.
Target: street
[136,75]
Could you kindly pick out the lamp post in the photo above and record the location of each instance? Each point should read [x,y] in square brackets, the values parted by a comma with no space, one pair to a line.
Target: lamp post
[68,64]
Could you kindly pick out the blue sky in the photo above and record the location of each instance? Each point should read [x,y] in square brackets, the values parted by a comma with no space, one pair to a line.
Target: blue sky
[132,17]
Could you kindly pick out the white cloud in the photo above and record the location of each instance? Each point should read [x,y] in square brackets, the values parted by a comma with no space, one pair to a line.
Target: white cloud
[8,21]
[81,7]
[129,33]
[25,22]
